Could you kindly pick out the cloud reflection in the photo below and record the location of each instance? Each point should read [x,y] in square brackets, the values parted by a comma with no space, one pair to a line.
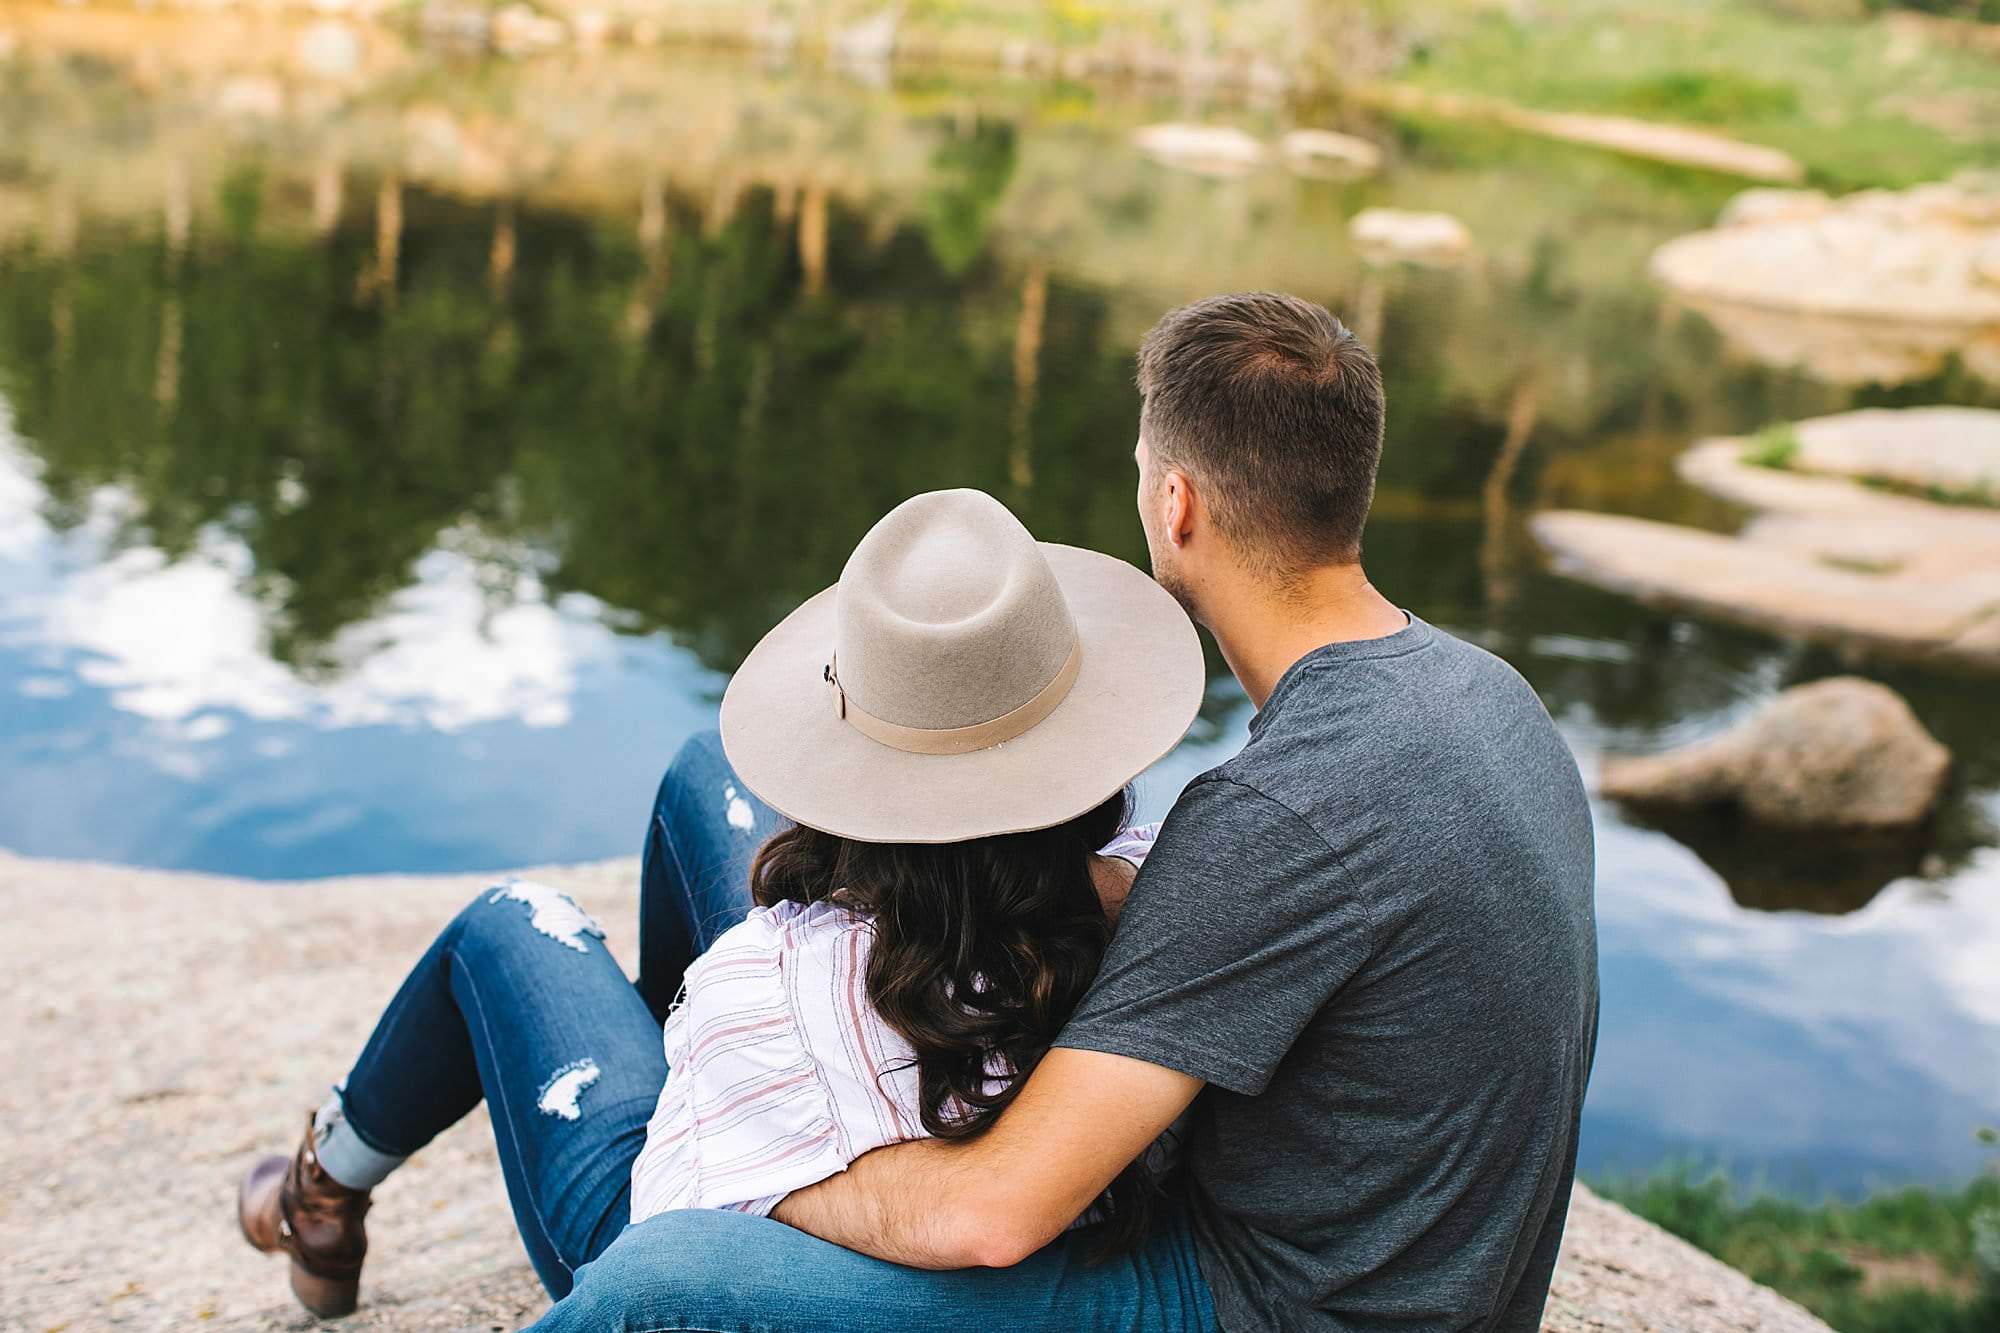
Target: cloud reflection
[178,641]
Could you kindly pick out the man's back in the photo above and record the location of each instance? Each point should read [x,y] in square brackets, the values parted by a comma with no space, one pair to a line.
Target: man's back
[1371,933]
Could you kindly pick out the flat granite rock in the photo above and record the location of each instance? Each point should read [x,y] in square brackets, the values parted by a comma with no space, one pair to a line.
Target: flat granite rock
[1827,553]
[1874,287]
[164,1029]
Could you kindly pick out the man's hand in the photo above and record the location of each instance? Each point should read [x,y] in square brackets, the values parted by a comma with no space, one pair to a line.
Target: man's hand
[996,1199]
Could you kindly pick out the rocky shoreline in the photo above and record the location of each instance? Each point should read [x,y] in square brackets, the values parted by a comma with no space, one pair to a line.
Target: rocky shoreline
[168,1027]
[1844,546]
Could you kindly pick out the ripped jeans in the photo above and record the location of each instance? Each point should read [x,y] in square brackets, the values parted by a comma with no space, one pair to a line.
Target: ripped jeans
[519,1002]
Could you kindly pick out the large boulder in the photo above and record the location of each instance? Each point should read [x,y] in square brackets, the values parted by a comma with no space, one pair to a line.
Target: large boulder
[1844,754]
[1878,254]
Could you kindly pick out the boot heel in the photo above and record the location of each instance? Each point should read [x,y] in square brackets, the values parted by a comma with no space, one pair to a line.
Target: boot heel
[327,1297]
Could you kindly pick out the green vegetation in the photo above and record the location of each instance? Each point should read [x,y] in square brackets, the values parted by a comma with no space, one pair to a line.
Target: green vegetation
[1908,1261]
[1979,495]
[1855,564]
[1778,446]
[1983,11]
[1825,80]
[1716,97]
[1773,447]
[1859,94]
[1857,100]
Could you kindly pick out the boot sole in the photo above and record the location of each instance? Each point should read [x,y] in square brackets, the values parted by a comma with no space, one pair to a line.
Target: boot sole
[327,1297]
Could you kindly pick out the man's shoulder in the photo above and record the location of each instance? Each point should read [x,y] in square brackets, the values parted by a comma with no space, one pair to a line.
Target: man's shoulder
[1233,812]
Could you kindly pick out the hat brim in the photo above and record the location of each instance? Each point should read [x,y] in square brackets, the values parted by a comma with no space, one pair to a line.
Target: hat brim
[1136,693]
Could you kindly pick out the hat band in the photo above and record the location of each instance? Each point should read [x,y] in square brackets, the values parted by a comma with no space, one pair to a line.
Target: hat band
[958,740]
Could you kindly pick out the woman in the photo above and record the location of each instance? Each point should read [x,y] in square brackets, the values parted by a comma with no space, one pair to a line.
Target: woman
[937,750]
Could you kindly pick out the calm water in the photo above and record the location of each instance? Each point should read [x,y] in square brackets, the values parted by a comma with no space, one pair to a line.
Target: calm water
[394,486]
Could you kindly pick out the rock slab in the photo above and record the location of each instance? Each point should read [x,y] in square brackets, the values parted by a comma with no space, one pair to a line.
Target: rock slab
[1394,235]
[1843,754]
[1880,286]
[164,1029]
[1828,554]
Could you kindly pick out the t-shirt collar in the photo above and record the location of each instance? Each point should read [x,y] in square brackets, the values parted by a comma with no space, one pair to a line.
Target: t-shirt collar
[1412,636]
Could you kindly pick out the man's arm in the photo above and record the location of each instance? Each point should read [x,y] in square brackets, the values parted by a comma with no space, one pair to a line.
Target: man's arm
[993,1201]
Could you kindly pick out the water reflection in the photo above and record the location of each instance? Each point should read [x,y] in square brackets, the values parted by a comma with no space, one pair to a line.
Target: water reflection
[403,507]
[1830,1051]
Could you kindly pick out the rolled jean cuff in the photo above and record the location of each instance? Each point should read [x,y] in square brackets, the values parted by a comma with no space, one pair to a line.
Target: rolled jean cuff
[343,1153]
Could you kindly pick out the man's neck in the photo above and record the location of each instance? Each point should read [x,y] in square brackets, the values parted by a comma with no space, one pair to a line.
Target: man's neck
[1263,631]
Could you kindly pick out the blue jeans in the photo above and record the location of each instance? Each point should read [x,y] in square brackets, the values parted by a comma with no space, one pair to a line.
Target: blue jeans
[544,1025]
[526,1008]
[722,1272]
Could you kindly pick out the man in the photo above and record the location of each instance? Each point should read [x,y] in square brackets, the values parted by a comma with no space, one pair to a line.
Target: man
[1362,954]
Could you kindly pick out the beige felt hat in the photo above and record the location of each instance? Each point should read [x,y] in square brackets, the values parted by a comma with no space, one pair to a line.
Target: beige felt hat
[961,680]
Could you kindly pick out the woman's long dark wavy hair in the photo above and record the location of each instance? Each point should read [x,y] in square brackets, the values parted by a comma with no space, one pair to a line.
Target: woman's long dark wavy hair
[982,950]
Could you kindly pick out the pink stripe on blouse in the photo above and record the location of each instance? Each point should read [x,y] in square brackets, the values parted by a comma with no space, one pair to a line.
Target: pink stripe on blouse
[756,1107]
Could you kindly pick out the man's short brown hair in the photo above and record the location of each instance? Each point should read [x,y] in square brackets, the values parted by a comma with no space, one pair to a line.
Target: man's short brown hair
[1276,409]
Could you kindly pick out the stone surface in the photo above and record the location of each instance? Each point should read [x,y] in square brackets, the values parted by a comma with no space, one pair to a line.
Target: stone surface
[1677,144]
[1810,281]
[1664,143]
[165,1029]
[1772,205]
[1328,154]
[1956,449]
[1209,150]
[1844,753]
[1824,557]
[1621,1274]
[1393,235]
[1840,350]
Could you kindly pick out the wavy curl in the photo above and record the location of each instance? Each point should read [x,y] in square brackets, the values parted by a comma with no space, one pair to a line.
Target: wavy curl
[981,952]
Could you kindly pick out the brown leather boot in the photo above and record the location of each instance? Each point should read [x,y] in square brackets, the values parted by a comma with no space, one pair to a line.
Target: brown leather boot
[295,1206]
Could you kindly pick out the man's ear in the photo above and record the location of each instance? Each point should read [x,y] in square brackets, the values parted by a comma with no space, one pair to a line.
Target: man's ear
[1177,518]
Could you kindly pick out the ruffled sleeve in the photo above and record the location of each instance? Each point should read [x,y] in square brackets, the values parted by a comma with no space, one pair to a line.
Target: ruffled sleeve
[774,1079]
[1132,843]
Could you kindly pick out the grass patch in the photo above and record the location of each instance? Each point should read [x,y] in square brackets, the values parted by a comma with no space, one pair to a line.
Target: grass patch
[1777,447]
[1980,495]
[1907,1261]
[1716,97]
[1854,564]
[1773,447]
[1812,80]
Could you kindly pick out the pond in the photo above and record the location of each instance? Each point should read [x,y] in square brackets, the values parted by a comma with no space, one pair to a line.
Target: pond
[391,482]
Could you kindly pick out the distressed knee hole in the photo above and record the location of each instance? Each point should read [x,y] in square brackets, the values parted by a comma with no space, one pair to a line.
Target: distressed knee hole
[736,809]
[552,912]
[562,1095]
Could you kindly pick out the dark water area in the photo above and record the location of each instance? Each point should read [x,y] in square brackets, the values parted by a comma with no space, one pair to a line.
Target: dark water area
[356,519]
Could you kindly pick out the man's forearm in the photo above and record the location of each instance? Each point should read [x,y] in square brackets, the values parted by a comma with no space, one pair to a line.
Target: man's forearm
[994,1200]
[920,1204]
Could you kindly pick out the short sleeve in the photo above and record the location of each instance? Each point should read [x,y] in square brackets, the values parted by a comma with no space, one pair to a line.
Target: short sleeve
[1238,930]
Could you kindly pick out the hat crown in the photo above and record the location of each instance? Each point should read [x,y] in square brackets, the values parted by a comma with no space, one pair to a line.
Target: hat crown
[948,615]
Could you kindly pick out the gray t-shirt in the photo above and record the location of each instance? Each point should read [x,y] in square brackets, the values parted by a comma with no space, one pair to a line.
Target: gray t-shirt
[1372,933]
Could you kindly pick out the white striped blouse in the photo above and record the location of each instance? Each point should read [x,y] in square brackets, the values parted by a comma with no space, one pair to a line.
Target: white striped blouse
[780,1072]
